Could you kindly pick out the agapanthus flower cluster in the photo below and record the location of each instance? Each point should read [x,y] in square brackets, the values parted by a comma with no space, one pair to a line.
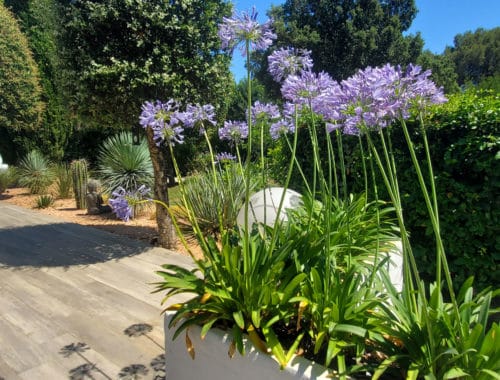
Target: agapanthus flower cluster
[122,201]
[165,120]
[288,61]
[244,27]
[234,131]
[374,97]
[264,112]
[281,127]
[224,158]
[305,87]
[417,90]
[168,122]
[199,115]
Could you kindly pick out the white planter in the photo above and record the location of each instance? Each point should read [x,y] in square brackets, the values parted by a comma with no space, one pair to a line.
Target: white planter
[212,361]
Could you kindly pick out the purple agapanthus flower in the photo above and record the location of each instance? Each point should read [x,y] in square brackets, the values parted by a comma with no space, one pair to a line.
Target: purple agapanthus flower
[415,89]
[306,86]
[234,131]
[288,61]
[198,115]
[244,27]
[264,112]
[281,127]
[122,201]
[166,121]
[172,134]
[224,157]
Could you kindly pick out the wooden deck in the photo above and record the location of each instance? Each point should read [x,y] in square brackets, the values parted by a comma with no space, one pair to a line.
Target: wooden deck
[75,302]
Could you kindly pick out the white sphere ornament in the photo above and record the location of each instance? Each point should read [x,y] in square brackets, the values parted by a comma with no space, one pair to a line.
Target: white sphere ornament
[2,165]
[263,206]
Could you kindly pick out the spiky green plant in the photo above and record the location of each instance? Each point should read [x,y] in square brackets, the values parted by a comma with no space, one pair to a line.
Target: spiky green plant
[123,164]
[44,201]
[208,196]
[64,180]
[35,172]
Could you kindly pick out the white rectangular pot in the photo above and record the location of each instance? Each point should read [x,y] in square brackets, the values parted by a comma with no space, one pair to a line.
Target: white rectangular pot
[212,361]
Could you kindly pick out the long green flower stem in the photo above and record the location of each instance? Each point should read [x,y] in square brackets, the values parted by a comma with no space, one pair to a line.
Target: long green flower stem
[408,293]
[363,163]
[399,215]
[332,165]
[214,171]
[297,165]
[434,221]
[342,163]
[433,192]
[191,216]
[246,235]
[274,238]
[375,193]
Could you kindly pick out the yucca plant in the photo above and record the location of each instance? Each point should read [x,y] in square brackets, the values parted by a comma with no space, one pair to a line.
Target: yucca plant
[209,195]
[123,164]
[44,201]
[35,173]
[64,180]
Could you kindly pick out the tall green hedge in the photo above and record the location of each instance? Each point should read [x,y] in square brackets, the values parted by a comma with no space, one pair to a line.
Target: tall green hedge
[465,141]
[20,93]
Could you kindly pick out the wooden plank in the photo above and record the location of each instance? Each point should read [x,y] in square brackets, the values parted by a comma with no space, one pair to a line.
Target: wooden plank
[62,285]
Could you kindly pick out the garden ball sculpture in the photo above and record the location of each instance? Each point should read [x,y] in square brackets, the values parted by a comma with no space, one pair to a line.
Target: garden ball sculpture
[263,206]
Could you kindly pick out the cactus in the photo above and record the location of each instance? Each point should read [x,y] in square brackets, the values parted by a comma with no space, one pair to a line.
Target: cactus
[79,170]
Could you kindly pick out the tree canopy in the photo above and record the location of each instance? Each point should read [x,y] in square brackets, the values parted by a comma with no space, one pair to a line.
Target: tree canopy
[345,36]
[476,55]
[21,106]
[40,22]
[123,52]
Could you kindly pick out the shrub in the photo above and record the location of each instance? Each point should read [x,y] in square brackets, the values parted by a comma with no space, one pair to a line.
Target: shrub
[20,92]
[44,201]
[207,199]
[35,173]
[123,164]
[7,178]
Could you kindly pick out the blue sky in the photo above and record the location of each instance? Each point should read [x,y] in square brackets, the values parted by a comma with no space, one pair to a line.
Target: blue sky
[438,21]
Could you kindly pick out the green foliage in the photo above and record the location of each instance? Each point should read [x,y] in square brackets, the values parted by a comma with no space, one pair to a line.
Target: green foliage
[208,195]
[64,180]
[246,291]
[44,201]
[444,355]
[360,229]
[464,136]
[7,178]
[35,172]
[476,55]
[123,164]
[41,22]
[257,290]
[443,70]
[346,36]
[124,52]
[20,92]
[79,171]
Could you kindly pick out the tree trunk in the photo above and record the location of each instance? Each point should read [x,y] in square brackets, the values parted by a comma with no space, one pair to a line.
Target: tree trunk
[161,159]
